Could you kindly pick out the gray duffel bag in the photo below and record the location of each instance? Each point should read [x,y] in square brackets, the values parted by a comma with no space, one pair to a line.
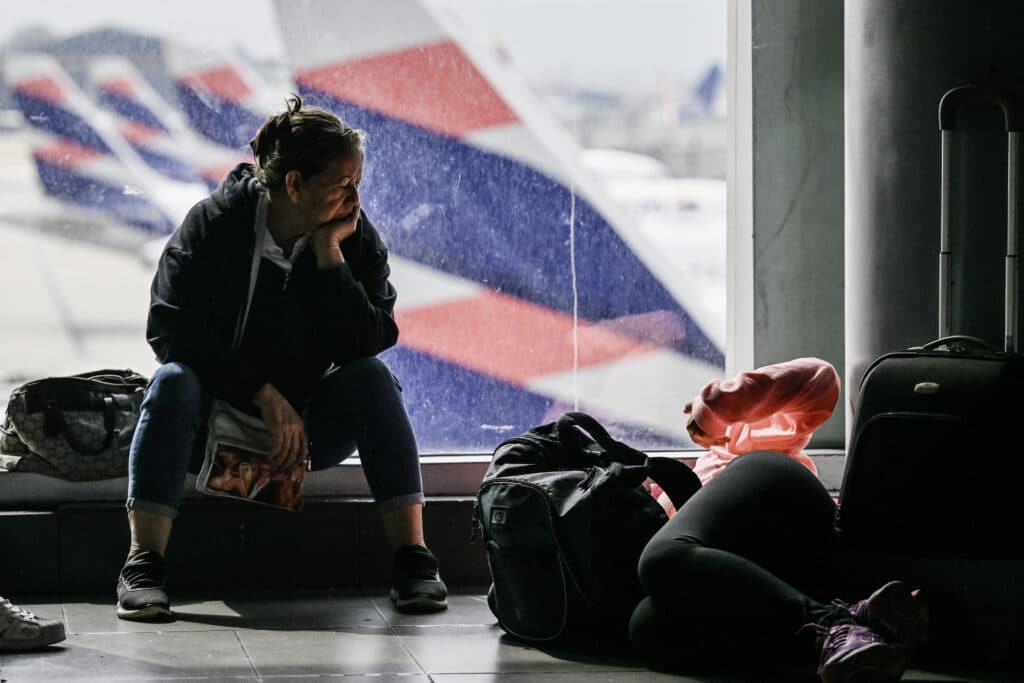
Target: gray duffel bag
[77,428]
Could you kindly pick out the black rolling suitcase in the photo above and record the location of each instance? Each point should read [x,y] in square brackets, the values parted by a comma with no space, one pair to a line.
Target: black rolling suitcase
[935,466]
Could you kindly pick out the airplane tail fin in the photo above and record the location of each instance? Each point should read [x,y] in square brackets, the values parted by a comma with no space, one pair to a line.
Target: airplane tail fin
[78,153]
[223,100]
[142,118]
[475,169]
[707,89]
[523,288]
[703,101]
[154,129]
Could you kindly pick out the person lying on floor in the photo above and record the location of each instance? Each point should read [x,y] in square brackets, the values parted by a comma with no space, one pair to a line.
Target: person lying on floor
[740,572]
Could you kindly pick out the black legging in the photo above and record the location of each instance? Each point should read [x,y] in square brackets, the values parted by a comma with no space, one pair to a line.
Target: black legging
[739,569]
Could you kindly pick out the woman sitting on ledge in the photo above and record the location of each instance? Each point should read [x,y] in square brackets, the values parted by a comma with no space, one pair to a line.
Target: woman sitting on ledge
[321,310]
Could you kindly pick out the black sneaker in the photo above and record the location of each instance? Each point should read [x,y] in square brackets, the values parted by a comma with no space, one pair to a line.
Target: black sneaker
[141,594]
[415,584]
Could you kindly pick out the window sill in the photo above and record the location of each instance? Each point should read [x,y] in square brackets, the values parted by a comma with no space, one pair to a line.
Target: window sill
[444,475]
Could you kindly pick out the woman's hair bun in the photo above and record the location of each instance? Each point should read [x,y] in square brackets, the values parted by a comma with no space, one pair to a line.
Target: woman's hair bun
[303,139]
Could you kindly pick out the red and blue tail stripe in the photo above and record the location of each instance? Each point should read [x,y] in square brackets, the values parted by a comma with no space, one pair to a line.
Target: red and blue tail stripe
[118,95]
[215,102]
[80,156]
[155,130]
[487,214]
[155,147]
[41,103]
[471,212]
[64,173]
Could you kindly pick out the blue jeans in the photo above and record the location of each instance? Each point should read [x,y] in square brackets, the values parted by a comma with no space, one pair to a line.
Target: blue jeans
[356,405]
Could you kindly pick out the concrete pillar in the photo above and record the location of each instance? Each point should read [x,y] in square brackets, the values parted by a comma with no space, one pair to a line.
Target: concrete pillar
[901,56]
[786,227]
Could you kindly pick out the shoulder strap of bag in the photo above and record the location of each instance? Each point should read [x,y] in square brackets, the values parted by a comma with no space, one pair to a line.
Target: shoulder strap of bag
[257,254]
[675,478]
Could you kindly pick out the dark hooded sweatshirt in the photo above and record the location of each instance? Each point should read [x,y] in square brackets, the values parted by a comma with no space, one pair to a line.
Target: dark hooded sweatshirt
[298,325]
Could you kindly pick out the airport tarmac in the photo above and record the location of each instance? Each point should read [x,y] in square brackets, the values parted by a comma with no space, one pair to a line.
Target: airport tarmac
[68,307]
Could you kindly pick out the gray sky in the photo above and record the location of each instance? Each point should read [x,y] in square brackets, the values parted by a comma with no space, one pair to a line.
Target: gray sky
[194,22]
[611,44]
[604,44]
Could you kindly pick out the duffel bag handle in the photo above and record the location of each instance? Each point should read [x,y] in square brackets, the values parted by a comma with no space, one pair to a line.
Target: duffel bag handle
[675,478]
[126,379]
[119,378]
[54,424]
[568,433]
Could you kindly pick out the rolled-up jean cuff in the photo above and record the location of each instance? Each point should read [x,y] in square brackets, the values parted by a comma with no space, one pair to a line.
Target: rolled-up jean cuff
[149,506]
[392,504]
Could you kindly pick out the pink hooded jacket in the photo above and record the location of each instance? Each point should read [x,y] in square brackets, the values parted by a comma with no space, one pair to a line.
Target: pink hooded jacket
[776,407]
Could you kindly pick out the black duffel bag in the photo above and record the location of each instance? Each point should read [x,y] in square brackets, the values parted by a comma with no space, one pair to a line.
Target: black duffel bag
[77,428]
[565,517]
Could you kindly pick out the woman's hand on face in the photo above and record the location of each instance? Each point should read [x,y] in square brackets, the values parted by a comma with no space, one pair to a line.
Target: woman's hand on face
[699,436]
[327,238]
[288,433]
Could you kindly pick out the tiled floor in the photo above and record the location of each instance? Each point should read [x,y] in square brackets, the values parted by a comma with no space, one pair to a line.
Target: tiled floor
[348,637]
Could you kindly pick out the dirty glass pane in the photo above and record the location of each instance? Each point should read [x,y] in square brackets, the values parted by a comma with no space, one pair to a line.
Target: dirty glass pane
[547,174]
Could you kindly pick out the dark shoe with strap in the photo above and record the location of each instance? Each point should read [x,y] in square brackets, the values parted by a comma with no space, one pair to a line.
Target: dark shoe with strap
[894,611]
[416,585]
[850,652]
[141,589]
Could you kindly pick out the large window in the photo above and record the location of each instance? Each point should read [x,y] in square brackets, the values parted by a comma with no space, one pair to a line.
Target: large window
[548,176]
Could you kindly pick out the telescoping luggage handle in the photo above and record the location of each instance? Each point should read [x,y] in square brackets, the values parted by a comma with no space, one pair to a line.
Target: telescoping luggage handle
[949,107]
